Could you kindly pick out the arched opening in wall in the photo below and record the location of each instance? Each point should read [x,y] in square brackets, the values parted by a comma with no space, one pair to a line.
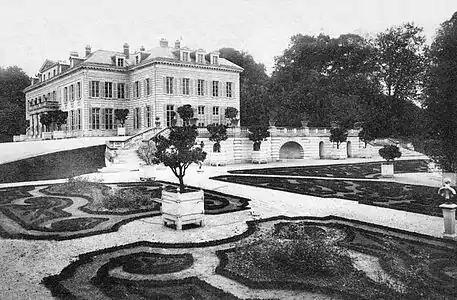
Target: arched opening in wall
[349,149]
[321,150]
[291,150]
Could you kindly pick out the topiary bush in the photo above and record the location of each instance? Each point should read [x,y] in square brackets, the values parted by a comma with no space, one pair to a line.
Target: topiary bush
[390,152]
[147,153]
[258,133]
[218,133]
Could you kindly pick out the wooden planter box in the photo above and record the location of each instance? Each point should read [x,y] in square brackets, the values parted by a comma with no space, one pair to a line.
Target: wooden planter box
[58,134]
[46,135]
[218,159]
[121,131]
[259,157]
[387,170]
[181,209]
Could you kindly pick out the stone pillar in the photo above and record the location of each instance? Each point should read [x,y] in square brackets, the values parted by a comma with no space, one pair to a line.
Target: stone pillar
[40,128]
[449,220]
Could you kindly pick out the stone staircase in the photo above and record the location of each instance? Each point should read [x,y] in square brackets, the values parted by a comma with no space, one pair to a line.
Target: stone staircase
[121,156]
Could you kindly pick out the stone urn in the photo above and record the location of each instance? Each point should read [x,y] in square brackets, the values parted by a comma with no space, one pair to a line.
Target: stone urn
[387,169]
[121,131]
[259,157]
[182,208]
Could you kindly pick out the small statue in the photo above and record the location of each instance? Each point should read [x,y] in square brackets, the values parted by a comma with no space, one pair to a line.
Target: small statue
[446,191]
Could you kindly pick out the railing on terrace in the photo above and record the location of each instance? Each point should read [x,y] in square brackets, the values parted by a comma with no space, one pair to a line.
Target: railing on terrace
[46,104]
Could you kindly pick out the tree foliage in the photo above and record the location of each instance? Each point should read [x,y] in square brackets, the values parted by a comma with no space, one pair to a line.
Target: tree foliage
[258,133]
[328,78]
[254,96]
[178,151]
[338,135]
[46,119]
[121,115]
[186,113]
[13,80]
[390,152]
[441,96]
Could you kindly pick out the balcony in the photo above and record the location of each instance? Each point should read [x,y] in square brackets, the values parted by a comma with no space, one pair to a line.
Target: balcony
[44,106]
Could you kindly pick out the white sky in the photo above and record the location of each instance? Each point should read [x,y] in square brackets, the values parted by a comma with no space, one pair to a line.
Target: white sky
[31,31]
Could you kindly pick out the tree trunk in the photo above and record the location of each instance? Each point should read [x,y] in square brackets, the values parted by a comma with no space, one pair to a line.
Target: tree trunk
[181,184]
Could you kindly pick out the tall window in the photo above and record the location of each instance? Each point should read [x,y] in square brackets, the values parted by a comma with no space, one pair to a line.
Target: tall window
[185,86]
[148,116]
[95,89]
[120,62]
[121,90]
[214,60]
[200,58]
[148,86]
[72,120]
[78,90]
[201,117]
[169,85]
[200,87]
[109,118]
[170,114]
[215,110]
[108,89]
[72,92]
[136,118]
[54,95]
[185,56]
[54,73]
[78,120]
[201,110]
[137,59]
[215,88]
[65,93]
[136,89]
[95,118]
[228,89]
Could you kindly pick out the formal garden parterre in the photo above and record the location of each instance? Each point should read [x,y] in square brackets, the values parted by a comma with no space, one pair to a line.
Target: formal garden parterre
[80,208]
[334,257]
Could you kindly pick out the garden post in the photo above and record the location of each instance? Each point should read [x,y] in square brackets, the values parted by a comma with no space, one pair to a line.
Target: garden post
[449,220]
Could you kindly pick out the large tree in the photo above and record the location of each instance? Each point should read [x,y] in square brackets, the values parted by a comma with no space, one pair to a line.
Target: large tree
[441,96]
[253,86]
[13,81]
[331,79]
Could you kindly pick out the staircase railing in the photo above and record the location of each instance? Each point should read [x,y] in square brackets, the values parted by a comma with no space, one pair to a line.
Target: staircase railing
[144,135]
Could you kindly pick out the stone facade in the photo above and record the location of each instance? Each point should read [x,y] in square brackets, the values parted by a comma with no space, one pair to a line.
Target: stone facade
[150,84]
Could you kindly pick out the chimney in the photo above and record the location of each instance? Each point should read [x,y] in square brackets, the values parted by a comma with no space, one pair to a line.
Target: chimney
[126,50]
[74,54]
[178,44]
[88,50]
[163,43]
[142,48]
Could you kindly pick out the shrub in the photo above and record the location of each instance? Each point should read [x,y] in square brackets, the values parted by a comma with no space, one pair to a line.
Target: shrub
[147,153]
[128,198]
[390,152]
[310,257]
[186,113]
[121,115]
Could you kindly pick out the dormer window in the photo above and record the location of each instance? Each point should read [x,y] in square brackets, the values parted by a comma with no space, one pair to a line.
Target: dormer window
[200,58]
[120,62]
[214,59]
[185,56]
[137,59]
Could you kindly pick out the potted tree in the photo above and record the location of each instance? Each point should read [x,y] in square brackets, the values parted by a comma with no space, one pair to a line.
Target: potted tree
[389,153]
[157,122]
[121,115]
[338,135]
[257,134]
[147,153]
[304,119]
[60,118]
[365,136]
[178,151]
[272,117]
[231,113]
[218,133]
[46,120]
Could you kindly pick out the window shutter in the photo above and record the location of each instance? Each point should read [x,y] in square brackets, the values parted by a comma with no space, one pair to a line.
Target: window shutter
[127,90]
[191,86]
[164,85]
[222,115]
[175,85]
[221,89]
[102,89]
[209,114]
[90,117]
[205,87]
[115,89]
[164,115]
[102,118]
